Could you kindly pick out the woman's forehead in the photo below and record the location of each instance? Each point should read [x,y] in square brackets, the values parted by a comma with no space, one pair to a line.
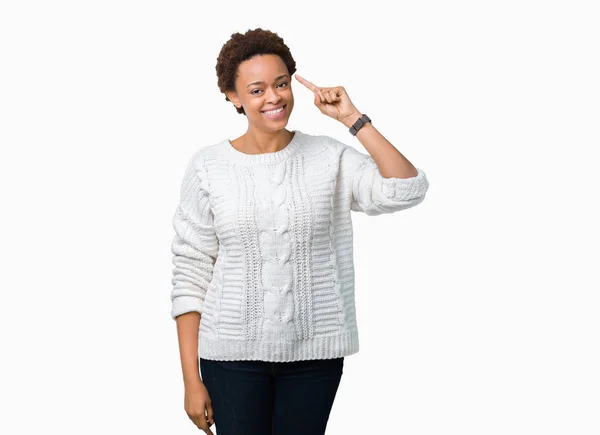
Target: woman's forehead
[260,68]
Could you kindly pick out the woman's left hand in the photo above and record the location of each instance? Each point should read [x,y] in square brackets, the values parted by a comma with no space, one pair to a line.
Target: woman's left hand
[333,102]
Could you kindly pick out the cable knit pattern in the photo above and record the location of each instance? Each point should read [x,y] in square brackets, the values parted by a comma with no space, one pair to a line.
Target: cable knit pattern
[263,246]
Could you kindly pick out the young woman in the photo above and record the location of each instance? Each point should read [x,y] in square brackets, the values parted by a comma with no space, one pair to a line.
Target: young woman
[263,284]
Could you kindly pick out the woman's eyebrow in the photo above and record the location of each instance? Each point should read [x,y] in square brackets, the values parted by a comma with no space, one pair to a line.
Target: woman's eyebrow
[260,82]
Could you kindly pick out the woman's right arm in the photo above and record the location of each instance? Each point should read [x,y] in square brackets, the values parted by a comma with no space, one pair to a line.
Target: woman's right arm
[197,402]
[195,248]
[195,245]
[187,334]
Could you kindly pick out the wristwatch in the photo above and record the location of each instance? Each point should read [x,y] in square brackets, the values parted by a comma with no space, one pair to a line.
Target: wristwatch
[358,124]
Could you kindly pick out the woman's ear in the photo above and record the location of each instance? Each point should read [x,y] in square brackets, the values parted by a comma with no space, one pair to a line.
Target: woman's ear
[234,98]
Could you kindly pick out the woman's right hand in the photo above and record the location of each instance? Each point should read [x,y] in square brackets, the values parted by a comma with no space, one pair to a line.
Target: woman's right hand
[198,406]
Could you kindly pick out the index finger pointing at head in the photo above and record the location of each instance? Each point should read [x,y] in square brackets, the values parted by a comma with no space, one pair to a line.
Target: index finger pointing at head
[306,83]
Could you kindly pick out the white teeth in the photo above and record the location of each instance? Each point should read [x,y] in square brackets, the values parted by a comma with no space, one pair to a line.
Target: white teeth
[273,112]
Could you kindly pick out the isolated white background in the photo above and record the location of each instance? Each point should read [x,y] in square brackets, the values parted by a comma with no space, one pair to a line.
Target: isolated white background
[477,309]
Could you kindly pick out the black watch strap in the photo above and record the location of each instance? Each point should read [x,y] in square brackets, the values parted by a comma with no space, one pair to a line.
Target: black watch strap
[358,124]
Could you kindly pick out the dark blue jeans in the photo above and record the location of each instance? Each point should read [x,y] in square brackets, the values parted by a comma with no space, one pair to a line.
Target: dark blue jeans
[271,398]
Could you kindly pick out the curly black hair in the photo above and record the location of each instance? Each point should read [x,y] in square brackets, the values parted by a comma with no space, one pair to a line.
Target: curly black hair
[241,47]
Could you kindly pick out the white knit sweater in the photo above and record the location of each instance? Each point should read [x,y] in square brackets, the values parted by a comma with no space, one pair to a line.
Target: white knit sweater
[263,246]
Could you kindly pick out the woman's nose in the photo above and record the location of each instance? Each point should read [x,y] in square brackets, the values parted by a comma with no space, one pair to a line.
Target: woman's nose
[273,96]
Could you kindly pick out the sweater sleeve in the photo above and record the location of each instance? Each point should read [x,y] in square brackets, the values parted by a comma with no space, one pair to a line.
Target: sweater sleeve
[195,244]
[374,194]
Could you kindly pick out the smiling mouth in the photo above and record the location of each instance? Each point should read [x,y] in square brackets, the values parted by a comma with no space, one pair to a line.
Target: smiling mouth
[276,113]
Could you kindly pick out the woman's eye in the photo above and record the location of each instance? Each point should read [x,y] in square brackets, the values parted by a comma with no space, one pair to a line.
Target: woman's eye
[254,91]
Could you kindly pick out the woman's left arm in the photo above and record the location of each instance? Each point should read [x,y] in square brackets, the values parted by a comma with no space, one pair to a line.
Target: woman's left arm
[390,162]
[383,181]
[335,103]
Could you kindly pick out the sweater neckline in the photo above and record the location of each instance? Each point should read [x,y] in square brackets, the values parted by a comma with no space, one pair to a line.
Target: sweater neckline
[272,157]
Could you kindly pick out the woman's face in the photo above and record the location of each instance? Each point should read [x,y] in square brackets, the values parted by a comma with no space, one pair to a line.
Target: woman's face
[263,84]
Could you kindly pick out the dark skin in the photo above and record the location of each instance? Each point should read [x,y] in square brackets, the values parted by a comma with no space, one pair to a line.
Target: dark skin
[265,134]
[197,403]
